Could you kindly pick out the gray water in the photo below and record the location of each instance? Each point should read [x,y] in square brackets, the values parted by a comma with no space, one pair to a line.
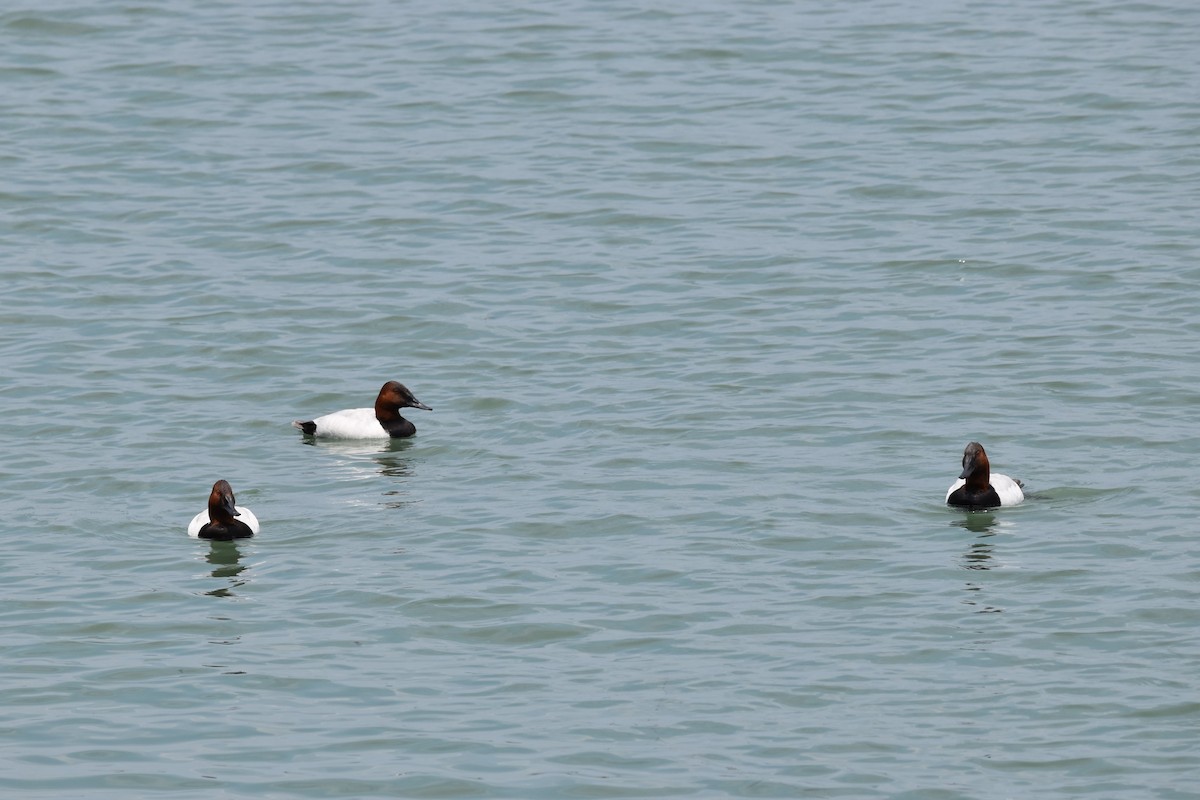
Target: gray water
[706,299]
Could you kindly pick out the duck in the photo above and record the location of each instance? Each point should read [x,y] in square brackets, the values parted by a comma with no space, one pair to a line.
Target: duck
[218,523]
[381,422]
[978,487]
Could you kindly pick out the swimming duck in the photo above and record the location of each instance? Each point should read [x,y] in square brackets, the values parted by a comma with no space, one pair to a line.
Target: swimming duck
[978,487]
[381,422]
[218,522]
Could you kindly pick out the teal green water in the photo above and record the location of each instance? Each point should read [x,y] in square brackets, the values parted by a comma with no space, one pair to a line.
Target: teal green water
[706,299]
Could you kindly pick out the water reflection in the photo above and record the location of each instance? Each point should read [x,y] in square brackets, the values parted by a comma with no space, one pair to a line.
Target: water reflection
[227,559]
[980,607]
[979,554]
[368,459]
[399,468]
[393,466]
[983,522]
[359,448]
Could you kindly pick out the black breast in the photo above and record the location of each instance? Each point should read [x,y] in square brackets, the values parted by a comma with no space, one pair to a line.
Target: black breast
[967,499]
[226,531]
[399,428]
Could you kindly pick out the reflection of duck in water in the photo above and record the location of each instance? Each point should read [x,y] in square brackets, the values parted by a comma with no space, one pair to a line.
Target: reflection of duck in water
[984,524]
[978,555]
[978,487]
[224,520]
[381,422]
[227,560]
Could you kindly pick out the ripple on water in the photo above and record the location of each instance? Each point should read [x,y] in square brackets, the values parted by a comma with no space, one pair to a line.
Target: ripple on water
[705,325]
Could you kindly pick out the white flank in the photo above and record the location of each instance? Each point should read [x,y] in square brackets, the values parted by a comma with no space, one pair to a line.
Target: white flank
[1006,488]
[201,519]
[353,423]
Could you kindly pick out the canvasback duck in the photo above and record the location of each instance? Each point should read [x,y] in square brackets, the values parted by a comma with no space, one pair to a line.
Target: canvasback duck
[218,522]
[978,487]
[380,422]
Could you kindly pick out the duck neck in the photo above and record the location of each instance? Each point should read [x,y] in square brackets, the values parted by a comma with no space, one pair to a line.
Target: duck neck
[979,481]
[387,413]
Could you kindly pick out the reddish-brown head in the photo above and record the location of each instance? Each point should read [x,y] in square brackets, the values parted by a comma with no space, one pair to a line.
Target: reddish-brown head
[976,471]
[221,506]
[393,397]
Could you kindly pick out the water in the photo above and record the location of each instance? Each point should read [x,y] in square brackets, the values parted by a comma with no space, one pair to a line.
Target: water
[706,299]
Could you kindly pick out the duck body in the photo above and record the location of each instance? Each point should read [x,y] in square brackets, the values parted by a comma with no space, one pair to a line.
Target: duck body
[381,422]
[350,423]
[224,521]
[978,487]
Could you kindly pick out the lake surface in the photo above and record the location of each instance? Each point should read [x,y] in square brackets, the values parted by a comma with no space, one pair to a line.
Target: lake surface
[706,298]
